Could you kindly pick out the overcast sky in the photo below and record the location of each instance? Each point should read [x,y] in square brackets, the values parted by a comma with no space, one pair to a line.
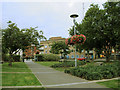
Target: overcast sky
[52,17]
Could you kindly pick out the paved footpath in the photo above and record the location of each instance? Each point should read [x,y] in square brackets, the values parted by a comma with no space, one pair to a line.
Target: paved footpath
[52,78]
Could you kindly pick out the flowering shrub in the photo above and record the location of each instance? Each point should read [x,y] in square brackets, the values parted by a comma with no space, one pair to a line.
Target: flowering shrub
[76,39]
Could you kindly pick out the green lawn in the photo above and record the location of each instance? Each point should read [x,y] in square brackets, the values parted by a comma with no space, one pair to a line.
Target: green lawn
[16,67]
[49,63]
[26,79]
[115,84]
[18,79]
[25,89]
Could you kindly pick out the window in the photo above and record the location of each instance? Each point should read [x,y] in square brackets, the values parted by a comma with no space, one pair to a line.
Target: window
[67,56]
[72,56]
[42,48]
[77,56]
[82,56]
[45,46]
[46,51]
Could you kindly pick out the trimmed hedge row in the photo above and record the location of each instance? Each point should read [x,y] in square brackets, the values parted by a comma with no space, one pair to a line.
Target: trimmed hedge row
[68,64]
[47,57]
[90,72]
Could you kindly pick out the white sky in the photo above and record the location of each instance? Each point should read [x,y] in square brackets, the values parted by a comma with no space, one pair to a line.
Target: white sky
[52,17]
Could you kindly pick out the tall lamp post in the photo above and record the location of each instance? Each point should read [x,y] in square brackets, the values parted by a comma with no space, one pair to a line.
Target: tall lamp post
[74,16]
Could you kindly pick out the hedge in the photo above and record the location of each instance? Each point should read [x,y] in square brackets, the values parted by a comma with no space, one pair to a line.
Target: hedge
[6,58]
[47,57]
[89,72]
[68,64]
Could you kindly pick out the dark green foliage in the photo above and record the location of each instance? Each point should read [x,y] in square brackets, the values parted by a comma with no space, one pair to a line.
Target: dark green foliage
[48,57]
[68,64]
[92,72]
[40,57]
[67,71]
[6,57]
[100,25]
[60,48]
[16,58]
[15,39]
[93,76]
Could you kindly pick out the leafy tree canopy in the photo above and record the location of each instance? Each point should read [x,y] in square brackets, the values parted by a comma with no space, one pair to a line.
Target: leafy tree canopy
[101,27]
[60,48]
[14,39]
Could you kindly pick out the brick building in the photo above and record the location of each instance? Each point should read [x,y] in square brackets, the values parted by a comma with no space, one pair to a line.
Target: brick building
[45,49]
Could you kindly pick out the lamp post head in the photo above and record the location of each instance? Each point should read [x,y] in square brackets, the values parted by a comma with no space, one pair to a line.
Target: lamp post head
[74,16]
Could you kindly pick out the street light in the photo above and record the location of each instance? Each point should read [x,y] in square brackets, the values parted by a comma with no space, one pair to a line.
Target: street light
[74,16]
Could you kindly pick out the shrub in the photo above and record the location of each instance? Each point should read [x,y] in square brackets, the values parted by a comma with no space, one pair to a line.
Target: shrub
[16,58]
[5,57]
[92,72]
[68,64]
[51,57]
[40,57]
[67,71]
[93,76]
[48,57]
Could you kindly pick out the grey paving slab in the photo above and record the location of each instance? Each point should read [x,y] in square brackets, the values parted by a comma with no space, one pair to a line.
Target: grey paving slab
[52,78]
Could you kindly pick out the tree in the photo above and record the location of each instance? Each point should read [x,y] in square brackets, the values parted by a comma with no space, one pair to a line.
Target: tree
[14,39]
[101,27]
[113,14]
[60,48]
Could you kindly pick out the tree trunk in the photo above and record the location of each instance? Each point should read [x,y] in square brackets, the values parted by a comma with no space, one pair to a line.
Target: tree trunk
[10,63]
[88,54]
[107,58]
[108,53]
[10,60]
[114,53]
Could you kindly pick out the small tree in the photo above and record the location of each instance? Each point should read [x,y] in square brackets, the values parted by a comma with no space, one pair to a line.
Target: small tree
[60,48]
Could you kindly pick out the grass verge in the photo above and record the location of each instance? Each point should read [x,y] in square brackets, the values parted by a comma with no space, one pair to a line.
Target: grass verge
[114,84]
[26,79]
[48,63]
[24,89]
[18,79]
[16,67]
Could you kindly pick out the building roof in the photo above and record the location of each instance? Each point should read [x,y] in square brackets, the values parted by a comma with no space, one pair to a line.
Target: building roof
[53,39]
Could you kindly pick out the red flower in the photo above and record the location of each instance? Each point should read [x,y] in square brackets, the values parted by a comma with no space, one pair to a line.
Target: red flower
[76,39]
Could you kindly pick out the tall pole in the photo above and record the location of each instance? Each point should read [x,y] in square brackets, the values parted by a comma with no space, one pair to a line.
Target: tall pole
[83,10]
[74,16]
[75,44]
